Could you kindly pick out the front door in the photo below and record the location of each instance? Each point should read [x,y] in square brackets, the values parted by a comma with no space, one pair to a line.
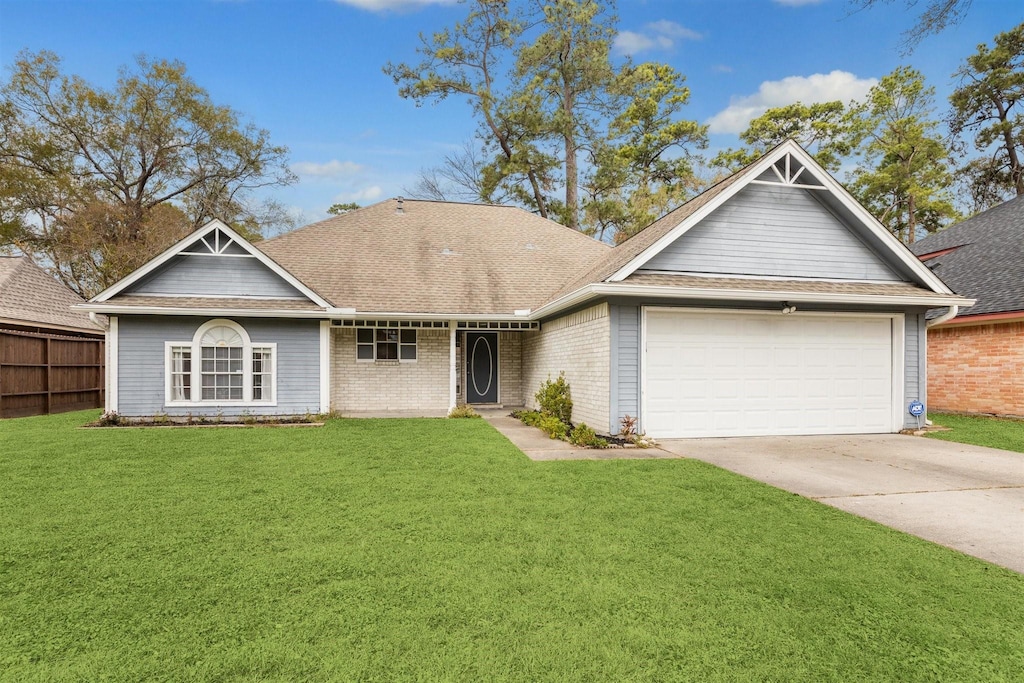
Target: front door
[481,367]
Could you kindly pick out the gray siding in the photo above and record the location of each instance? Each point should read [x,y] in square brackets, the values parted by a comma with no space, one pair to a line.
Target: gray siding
[915,364]
[625,363]
[141,376]
[216,276]
[777,232]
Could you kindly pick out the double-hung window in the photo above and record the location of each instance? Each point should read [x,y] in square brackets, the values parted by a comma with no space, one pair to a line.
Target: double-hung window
[229,368]
[385,344]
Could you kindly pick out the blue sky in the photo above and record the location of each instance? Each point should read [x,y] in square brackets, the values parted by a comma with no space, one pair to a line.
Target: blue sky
[310,72]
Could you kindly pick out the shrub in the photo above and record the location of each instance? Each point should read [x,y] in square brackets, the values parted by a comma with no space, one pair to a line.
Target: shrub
[582,435]
[463,411]
[552,426]
[554,398]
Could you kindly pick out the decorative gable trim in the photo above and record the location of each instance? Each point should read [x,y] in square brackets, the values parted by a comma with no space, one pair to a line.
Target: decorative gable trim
[213,239]
[797,169]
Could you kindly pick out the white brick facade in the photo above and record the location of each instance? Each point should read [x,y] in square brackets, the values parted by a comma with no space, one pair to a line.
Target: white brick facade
[390,385]
[580,345]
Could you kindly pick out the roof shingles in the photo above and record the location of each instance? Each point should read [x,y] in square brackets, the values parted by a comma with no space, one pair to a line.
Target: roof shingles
[987,258]
[435,257]
[30,295]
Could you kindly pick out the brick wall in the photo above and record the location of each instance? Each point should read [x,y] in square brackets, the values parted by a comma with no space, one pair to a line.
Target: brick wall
[977,369]
[419,386]
[580,345]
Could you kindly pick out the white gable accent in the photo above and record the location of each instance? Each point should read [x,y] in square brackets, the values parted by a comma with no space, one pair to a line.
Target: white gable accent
[812,175]
[215,239]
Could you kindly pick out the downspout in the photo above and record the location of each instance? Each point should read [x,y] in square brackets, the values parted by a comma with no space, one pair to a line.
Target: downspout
[945,317]
[96,321]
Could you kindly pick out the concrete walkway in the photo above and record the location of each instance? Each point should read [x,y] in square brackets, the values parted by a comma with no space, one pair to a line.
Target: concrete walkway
[537,446]
[965,497]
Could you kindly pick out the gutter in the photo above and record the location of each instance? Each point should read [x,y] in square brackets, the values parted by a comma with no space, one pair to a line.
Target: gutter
[96,321]
[601,289]
[948,315]
[328,313]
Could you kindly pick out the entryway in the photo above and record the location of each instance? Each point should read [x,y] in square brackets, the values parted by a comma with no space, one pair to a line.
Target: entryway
[481,367]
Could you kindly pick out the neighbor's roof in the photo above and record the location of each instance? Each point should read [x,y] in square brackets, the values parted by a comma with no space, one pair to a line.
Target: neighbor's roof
[986,261]
[435,257]
[29,295]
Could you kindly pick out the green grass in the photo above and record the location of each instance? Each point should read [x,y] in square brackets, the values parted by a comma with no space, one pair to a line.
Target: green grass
[434,550]
[981,431]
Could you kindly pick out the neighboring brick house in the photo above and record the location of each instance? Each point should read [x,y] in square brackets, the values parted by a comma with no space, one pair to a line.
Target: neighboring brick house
[51,356]
[976,359]
[770,304]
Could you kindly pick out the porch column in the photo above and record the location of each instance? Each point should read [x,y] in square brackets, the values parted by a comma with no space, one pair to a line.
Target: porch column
[453,370]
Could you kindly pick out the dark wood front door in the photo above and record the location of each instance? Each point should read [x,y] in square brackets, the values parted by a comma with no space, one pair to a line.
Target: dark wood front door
[481,367]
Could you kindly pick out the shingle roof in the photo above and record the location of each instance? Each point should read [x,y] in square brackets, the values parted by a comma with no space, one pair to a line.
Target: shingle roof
[627,251]
[191,302]
[28,294]
[435,257]
[988,260]
[809,286]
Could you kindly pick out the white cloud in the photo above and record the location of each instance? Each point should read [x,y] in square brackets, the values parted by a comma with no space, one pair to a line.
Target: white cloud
[661,35]
[384,5]
[673,30]
[722,69]
[797,3]
[365,194]
[837,85]
[329,170]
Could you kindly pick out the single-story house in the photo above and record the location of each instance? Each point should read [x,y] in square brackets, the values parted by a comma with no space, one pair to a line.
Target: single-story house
[976,359]
[770,304]
[51,355]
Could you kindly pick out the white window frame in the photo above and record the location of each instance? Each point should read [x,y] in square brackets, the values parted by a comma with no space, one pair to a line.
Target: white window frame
[196,346]
[373,330]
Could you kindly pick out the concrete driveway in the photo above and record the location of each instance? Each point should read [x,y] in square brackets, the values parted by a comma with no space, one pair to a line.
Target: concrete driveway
[965,497]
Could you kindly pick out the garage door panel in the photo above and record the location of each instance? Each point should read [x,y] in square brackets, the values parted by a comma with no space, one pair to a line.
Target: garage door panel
[727,374]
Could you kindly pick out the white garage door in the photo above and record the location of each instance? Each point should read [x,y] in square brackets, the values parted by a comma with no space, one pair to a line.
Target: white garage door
[739,374]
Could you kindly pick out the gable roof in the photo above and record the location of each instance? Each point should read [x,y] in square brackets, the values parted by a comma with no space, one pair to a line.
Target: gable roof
[435,257]
[29,295]
[984,258]
[631,255]
[195,238]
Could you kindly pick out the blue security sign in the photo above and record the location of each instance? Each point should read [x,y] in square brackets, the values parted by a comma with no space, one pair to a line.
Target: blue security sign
[916,408]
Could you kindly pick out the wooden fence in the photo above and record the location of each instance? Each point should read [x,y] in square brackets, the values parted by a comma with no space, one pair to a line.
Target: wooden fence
[48,373]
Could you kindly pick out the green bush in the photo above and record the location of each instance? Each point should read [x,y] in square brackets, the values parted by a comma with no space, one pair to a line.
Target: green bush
[582,435]
[463,411]
[554,398]
[552,426]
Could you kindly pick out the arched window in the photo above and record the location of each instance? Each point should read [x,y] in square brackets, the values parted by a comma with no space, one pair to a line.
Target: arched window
[231,369]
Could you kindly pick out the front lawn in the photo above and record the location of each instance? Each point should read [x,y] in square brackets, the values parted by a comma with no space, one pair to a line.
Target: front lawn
[993,432]
[434,550]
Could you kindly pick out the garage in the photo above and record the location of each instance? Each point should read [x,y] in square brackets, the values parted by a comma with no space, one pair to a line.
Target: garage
[708,373]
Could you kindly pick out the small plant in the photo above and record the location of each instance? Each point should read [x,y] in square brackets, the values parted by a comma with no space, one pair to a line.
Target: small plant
[109,419]
[161,418]
[628,426]
[555,398]
[643,441]
[219,417]
[248,418]
[553,427]
[582,435]
[463,411]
